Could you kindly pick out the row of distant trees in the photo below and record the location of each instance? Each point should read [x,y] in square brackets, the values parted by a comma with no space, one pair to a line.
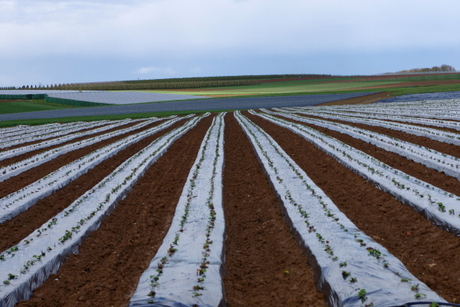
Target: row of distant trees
[33,87]
[113,86]
[442,68]
[158,84]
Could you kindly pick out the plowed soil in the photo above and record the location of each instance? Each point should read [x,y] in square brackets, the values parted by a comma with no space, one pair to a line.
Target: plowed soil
[264,265]
[109,263]
[428,252]
[22,180]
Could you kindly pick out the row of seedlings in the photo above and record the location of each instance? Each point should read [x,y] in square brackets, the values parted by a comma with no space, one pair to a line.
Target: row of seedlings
[41,134]
[21,200]
[431,158]
[350,267]
[27,265]
[18,131]
[441,109]
[449,124]
[434,134]
[15,169]
[187,268]
[429,109]
[434,203]
[56,141]
[14,130]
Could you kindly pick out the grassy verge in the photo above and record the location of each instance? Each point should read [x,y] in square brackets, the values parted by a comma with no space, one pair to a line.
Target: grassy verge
[424,89]
[28,106]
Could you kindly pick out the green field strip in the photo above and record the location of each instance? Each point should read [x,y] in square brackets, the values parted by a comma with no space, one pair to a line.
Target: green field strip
[24,106]
[286,87]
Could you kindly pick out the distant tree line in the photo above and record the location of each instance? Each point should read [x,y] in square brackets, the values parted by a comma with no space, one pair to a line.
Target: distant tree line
[166,84]
[114,86]
[442,68]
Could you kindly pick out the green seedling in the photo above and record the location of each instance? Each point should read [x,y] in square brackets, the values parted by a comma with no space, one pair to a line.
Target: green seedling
[345,274]
[362,294]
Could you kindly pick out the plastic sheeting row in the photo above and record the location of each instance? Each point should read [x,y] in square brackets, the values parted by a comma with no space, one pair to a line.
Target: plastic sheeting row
[186,270]
[56,141]
[20,200]
[435,204]
[350,267]
[431,158]
[58,131]
[38,159]
[434,134]
[405,119]
[26,265]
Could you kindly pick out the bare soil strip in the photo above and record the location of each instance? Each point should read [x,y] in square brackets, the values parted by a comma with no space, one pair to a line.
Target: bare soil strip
[22,180]
[107,269]
[428,252]
[366,99]
[14,230]
[264,264]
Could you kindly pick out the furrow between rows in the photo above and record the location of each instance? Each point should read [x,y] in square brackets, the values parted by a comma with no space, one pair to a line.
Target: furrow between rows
[106,269]
[19,201]
[427,251]
[42,252]
[399,160]
[39,171]
[352,269]
[14,230]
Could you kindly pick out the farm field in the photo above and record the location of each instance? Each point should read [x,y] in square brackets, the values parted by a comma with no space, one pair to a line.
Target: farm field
[7,107]
[288,87]
[309,206]
[394,85]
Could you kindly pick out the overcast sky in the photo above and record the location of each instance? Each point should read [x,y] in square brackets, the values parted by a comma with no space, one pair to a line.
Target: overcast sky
[67,41]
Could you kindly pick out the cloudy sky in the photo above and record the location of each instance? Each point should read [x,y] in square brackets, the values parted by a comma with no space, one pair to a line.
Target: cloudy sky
[67,41]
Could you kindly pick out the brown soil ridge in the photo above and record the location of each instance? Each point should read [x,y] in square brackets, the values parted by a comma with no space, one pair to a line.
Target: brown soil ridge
[16,229]
[79,131]
[35,152]
[263,263]
[110,261]
[390,120]
[429,253]
[415,169]
[106,271]
[22,180]
[366,99]
[446,148]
